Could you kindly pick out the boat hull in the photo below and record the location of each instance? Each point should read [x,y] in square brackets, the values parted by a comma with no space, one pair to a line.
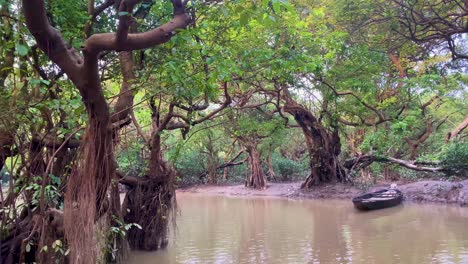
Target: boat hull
[366,203]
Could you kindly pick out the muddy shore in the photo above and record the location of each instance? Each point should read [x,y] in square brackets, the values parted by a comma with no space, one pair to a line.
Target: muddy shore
[430,191]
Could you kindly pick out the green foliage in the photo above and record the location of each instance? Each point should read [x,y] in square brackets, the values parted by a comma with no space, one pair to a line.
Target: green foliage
[333,55]
[51,191]
[70,17]
[455,158]
[59,248]
[121,228]
[130,159]
[22,50]
[189,165]
[117,232]
[289,169]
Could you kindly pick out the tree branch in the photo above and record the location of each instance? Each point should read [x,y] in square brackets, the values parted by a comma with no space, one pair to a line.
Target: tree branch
[230,163]
[454,133]
[412,165]
[50,41]
[122,41]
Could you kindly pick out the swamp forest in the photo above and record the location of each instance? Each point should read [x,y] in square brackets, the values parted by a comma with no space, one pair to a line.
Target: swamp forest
[215,131]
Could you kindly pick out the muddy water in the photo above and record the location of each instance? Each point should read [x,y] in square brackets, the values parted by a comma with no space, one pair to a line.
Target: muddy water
[214,229]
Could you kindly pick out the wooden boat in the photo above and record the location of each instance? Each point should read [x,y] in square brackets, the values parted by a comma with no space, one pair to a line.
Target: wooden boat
[378,200]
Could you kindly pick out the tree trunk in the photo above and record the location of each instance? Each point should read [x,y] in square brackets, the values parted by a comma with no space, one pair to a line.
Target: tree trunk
[225,173]
[6,143]
[323,146]
[390,174]
[86,193]
[257,177]
[150,203]
[212,170]
[271,171]
[415,143]
[212,160]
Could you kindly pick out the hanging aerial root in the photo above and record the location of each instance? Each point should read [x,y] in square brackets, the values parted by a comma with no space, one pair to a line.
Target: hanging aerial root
[85,199]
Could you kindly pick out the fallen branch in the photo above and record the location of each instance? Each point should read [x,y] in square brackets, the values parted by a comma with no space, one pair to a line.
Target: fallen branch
[368,159]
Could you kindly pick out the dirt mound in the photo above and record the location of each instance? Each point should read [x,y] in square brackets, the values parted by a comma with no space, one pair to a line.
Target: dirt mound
[437,191]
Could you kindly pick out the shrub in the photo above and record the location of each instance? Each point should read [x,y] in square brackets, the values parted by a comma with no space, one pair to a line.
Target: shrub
[189,166]
[289,169]
[455,158]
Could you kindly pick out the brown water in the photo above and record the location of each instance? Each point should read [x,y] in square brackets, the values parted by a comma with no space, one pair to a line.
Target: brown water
[215,229]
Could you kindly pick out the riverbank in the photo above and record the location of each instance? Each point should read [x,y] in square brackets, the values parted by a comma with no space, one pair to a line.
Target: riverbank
[430,191]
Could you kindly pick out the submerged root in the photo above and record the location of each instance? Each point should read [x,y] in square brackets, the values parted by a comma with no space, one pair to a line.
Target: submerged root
[150,204]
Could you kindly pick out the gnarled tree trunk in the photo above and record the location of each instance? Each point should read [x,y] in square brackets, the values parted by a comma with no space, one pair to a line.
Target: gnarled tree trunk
[323,146]
[256,178]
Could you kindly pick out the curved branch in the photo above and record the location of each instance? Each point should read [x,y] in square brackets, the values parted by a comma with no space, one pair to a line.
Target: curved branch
[50,41]
[122,41]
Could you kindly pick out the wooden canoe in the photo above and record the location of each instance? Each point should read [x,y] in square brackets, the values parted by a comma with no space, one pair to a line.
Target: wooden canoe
[378,200]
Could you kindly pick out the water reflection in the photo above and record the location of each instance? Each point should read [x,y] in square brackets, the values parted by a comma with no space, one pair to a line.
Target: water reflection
[213,229]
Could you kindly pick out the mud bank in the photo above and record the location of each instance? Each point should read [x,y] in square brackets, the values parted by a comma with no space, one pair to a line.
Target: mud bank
[430,191]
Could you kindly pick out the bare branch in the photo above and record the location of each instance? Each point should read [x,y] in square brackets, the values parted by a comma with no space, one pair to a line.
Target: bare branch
[412,165]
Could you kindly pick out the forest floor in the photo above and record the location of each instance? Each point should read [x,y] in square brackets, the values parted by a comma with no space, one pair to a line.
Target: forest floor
[432,191]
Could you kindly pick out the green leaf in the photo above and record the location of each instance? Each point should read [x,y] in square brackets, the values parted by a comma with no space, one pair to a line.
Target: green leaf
[123,13]
[276,5]
[22,50]
[244,18]
[44,249]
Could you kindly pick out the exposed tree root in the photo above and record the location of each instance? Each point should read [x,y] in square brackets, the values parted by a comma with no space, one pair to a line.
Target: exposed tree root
[27,238]
[150,203]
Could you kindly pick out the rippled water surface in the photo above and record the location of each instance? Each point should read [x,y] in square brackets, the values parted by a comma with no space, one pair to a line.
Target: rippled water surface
[215,229]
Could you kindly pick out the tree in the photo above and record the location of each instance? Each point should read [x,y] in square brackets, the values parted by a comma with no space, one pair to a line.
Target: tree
[87,187]
[250,125]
